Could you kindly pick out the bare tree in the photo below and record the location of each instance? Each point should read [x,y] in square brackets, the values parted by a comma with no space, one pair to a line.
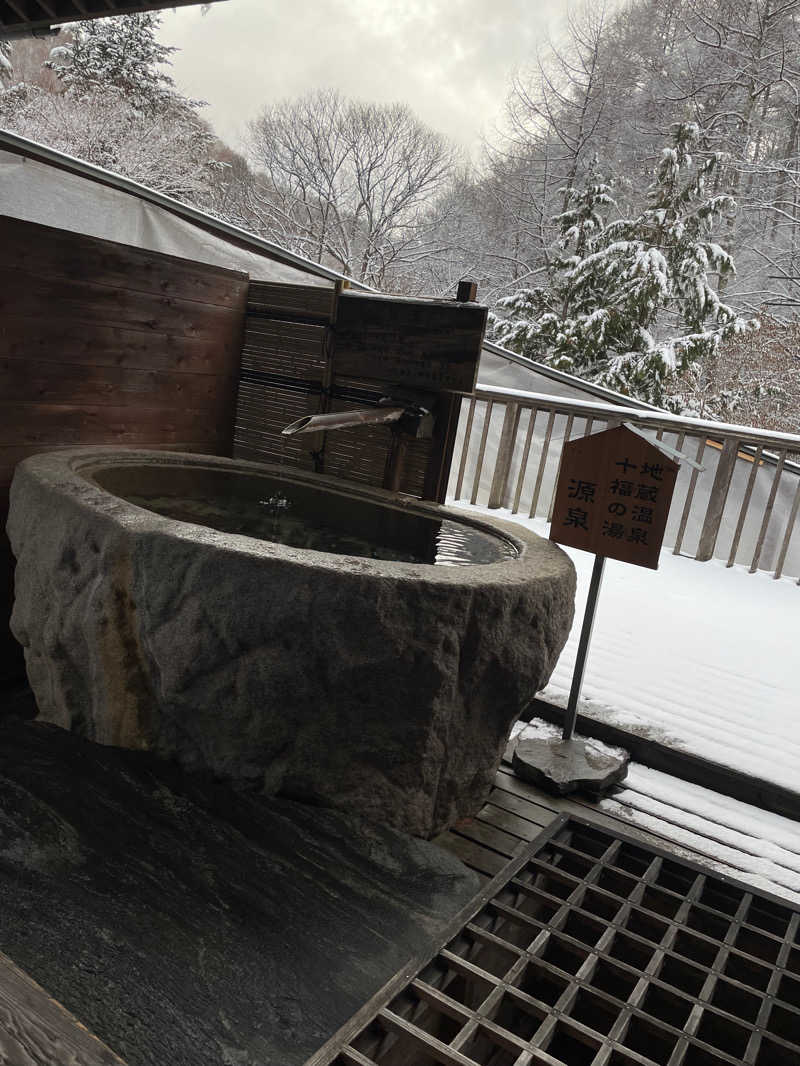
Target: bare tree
[558,114]
[6,69]
[565,99]
[349,183]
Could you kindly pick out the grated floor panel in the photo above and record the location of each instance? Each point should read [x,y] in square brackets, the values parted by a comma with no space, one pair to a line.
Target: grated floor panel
[593,949]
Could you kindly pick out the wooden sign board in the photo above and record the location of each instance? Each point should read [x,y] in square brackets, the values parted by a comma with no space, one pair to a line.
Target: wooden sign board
[427,345]
[613,496]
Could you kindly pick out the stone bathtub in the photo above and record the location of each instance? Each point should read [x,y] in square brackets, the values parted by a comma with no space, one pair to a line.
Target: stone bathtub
[331,643]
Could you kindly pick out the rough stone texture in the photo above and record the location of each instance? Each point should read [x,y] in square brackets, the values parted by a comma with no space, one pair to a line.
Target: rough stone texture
[568,766]
[383,687]
[188,924]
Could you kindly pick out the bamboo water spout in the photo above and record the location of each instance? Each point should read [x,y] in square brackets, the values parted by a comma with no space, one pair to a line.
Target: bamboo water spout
[361,416]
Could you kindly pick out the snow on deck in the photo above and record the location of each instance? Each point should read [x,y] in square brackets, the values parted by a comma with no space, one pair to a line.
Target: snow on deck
[731,837]
[697,656]
[735,838]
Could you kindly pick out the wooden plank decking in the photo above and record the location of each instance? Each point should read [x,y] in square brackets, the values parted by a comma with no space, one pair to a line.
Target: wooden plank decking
[517,812]
[35,1029]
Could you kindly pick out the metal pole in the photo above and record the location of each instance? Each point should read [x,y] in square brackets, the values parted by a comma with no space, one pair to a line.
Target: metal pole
[583,646]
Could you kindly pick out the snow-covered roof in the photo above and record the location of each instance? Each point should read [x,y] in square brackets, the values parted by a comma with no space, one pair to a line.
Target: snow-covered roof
[39,184]
[558,381]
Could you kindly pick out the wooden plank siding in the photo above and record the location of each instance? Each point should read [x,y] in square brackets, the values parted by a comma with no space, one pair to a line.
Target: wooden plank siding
[102,343]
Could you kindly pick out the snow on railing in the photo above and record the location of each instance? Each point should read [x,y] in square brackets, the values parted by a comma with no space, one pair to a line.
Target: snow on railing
[742,506]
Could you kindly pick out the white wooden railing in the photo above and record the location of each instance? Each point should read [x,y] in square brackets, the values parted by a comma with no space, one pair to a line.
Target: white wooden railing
[742,507]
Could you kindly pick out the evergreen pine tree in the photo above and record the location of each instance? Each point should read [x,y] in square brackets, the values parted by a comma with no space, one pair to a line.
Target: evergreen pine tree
[611,280]
[120,54]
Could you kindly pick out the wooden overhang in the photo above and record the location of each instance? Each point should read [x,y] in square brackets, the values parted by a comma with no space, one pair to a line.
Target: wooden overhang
[18,17]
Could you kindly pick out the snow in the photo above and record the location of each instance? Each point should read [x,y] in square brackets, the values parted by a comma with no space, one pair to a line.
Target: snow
[735,838]
[697,656]
[731,837]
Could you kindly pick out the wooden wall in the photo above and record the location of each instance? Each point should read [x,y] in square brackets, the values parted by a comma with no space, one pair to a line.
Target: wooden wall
[101,343]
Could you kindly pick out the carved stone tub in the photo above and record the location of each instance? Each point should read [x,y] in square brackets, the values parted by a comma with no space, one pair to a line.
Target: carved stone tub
[387,684]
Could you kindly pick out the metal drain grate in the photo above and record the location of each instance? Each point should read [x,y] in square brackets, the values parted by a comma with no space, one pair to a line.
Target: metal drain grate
[593,949]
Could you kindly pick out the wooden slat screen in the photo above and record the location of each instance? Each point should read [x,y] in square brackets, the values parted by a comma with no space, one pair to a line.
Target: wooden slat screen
[101,343]
[283,368]
[316,349]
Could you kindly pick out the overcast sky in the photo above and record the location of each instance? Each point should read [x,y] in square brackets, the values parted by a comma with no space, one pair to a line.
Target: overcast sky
[450,60]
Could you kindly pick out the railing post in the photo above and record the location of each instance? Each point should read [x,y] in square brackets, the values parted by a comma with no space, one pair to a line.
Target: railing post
[762,533]
[505,453]
[787,536]
[465,448]
[476,481]
[716,501]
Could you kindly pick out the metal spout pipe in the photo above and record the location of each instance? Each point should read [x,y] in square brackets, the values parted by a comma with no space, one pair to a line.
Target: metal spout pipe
[362,416]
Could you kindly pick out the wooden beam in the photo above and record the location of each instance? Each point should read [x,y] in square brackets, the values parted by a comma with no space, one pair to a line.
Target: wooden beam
[47,8]
[14,5]
[17,16]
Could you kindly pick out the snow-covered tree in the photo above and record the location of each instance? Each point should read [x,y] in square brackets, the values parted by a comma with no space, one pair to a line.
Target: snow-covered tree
[166,150]
[122,54]
[631,303]
[104,97]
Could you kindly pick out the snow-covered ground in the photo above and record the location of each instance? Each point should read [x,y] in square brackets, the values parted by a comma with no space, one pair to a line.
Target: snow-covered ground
[697,656]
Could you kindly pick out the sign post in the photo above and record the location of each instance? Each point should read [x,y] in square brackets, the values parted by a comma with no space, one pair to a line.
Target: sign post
[612,498]
[583,647]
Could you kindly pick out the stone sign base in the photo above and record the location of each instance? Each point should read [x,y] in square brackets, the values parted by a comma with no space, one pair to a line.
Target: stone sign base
[562,767]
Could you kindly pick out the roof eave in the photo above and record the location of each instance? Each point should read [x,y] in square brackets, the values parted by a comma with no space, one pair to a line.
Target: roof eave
[15,22]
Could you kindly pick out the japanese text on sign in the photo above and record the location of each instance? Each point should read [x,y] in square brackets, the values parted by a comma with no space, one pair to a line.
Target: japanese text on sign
[613,496]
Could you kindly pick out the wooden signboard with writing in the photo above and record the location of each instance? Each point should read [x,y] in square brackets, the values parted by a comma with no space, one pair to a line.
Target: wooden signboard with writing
[613,496]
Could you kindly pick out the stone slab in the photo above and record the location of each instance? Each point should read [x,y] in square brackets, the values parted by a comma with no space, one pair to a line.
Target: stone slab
[561,767]
[190,924]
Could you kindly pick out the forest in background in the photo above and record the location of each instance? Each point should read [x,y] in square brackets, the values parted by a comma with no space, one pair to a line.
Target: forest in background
[635,219]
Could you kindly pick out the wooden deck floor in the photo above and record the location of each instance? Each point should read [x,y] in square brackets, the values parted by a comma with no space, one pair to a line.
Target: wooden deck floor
[36,1030]
[514,813]
[517,812]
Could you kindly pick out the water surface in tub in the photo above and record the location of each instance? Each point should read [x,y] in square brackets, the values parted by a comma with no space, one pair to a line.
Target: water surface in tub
[302,515]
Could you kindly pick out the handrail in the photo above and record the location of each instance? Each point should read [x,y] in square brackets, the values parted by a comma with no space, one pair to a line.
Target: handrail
[656,420]
[721,508]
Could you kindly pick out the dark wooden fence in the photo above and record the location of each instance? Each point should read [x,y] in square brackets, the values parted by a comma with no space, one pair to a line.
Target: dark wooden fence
[101,343]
